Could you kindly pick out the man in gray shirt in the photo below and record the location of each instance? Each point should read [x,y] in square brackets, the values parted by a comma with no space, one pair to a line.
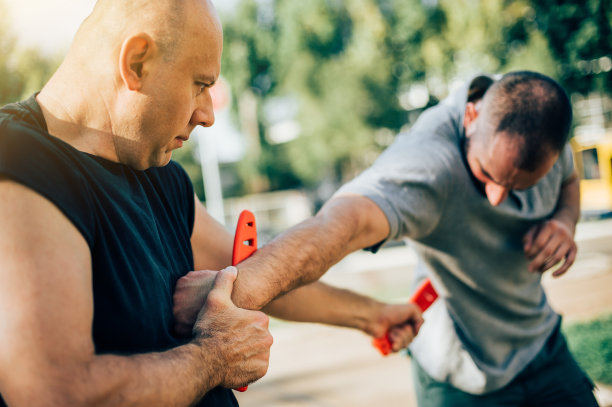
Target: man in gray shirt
[484,187]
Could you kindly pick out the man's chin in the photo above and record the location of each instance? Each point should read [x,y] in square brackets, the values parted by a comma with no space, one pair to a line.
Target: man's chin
[165,159]
[159,161]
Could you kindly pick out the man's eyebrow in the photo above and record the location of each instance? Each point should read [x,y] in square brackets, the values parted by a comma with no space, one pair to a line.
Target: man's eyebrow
[486,174]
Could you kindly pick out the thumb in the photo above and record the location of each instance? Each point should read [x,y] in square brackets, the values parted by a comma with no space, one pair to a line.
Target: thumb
[224,281]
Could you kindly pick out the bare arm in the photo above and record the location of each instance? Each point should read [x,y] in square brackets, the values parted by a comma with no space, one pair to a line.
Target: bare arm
[47,355]
[297,257]
[552,241]
[211,242]
[305,252]
[322,303]
[568,208]
[329,305]
[343,225]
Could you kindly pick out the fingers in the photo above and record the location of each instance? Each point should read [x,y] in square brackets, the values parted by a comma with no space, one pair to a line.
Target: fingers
[528,241]
[189,296]
[417,325]
[549,255]
[403,322]
[547,245]
[569,260]
[401,336]
[237,340]
[539,240]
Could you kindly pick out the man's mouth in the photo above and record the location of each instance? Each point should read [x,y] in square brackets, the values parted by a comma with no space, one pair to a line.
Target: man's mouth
[180,140]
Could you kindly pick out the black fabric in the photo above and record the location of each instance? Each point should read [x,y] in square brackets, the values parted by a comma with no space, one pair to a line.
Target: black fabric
[137,224]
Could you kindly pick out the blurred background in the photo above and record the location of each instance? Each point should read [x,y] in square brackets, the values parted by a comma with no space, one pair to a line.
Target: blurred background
[312,92]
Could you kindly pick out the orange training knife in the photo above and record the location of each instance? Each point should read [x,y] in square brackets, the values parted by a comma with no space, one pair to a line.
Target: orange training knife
[424,296]
[245,244]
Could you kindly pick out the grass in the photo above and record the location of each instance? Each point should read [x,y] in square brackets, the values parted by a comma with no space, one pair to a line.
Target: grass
[591,344]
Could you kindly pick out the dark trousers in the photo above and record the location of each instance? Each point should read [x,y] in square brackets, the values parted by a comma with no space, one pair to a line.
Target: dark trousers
[552,379]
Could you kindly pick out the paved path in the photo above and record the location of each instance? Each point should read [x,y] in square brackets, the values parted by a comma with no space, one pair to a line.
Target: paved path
[315,365]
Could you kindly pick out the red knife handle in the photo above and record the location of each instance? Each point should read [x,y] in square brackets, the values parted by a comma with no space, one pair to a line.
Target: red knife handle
[423,297]
[245,240]
[245,244]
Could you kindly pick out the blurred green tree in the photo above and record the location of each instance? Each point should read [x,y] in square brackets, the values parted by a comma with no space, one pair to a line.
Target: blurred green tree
[579,34]
[10,86]
[344,74]
[23,71]
[327,58]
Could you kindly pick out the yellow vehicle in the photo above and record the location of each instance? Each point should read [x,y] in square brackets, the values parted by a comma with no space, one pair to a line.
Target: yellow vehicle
[593,158]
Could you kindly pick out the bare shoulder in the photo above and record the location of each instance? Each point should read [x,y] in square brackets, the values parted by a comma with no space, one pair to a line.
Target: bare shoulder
[46,305]
[28,215]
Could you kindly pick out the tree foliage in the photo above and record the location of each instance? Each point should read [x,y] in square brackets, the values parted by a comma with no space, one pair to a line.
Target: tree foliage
[580,38]
[347,65]
[23,71]
[342,73]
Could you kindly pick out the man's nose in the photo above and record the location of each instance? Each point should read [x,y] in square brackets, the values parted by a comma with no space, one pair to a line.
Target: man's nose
[203,115]
[496,194]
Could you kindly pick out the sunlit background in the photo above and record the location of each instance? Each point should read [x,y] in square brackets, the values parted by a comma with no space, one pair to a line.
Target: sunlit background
[314,90]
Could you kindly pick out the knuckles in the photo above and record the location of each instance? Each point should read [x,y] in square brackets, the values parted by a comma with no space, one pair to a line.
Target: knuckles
[215,302]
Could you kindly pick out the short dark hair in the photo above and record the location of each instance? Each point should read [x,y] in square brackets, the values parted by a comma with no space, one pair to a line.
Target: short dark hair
[535,109]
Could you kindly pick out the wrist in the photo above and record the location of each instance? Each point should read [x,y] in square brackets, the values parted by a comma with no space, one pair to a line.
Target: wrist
[567,219]
[245,298]
[374,324]
[208,363]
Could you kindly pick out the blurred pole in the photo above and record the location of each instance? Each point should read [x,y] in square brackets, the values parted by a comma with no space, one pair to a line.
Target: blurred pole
[210,174]
[209,157]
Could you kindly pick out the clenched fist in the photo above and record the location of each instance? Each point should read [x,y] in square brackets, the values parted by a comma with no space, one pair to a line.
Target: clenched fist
[237,340]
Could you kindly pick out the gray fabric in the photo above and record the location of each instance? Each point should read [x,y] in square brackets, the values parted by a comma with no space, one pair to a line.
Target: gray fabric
[540,384]
[493,316]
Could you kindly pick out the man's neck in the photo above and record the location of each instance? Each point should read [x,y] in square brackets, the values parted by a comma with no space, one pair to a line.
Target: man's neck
[82,122]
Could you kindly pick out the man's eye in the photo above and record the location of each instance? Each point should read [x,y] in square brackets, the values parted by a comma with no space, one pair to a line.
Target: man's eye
[201,86]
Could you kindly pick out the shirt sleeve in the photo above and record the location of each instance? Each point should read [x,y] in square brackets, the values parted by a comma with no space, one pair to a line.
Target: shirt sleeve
[47,166]
[409,182]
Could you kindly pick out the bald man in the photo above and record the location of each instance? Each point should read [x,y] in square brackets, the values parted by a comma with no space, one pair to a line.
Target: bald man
[97,225]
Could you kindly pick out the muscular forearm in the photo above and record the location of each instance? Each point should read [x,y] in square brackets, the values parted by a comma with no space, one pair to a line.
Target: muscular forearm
[319,302]
[305,252]
[177,377]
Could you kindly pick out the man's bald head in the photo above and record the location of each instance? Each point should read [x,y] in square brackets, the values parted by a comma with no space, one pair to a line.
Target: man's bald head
[167,22]
[137,79]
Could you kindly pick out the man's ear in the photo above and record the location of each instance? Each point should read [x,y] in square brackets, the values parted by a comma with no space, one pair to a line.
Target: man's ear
[471,114]
[135,52]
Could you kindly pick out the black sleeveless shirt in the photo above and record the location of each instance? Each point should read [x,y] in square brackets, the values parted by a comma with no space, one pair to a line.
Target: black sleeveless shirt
[137,224]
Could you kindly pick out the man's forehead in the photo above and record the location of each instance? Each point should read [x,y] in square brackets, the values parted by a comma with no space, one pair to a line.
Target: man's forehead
[498,161]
